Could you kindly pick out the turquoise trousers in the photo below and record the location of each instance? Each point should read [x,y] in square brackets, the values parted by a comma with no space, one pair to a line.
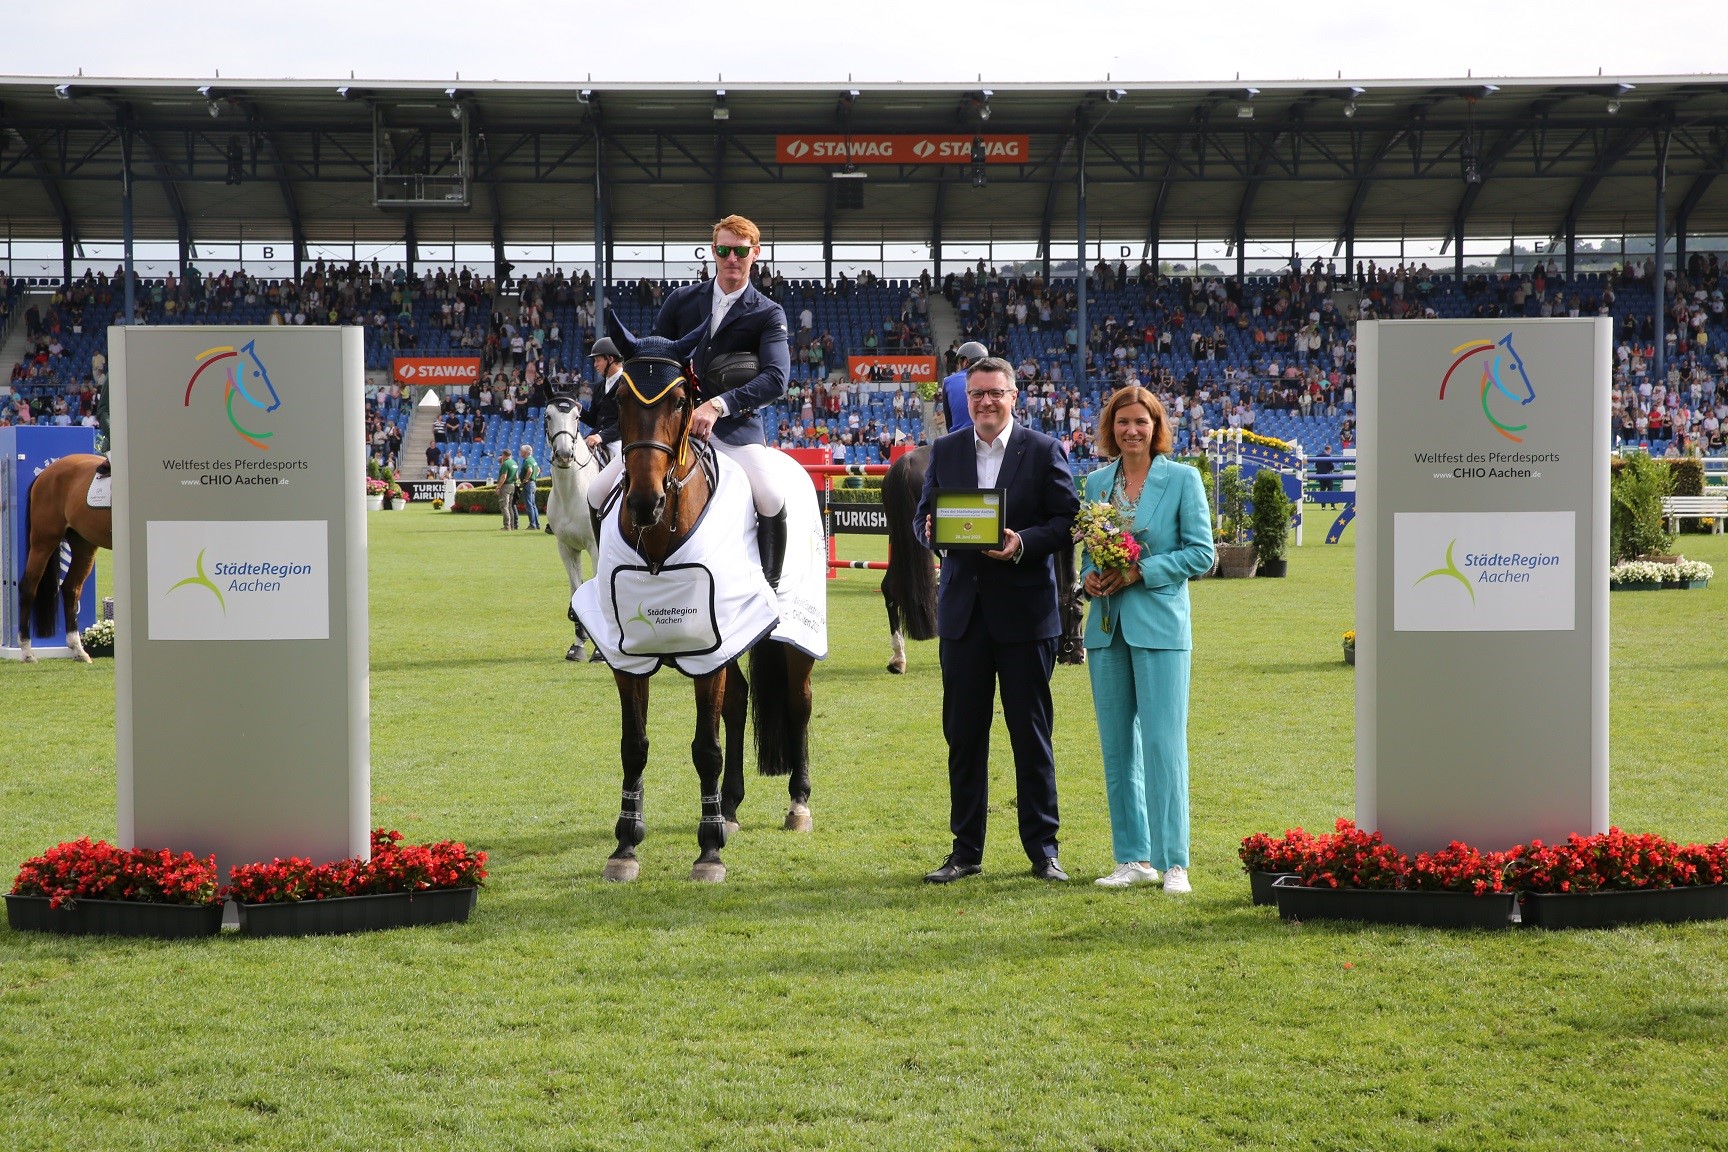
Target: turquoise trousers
[1141,698]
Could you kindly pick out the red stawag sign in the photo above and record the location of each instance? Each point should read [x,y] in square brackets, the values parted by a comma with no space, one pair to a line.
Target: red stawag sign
[461,371]
[919,368]
[935,148]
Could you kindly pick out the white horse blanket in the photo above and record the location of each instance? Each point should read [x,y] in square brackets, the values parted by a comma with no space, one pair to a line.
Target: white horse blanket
[709,602]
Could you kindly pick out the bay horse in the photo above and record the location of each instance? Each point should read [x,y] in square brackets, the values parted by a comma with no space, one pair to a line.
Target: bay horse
[58,512]
[909,584]
[668,482]
[574,469]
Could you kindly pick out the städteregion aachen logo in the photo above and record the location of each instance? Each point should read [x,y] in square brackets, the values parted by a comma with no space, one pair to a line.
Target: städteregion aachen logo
[245,378]
[202,581]
[1504,363]
[1450,571]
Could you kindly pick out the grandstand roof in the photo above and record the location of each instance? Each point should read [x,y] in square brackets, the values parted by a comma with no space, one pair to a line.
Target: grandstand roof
[1261,160]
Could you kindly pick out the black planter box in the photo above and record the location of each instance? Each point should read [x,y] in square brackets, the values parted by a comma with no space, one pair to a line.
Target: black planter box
[1260,883]
[113,918]
[1425,909]
[1274,567]
[346,914]
[1606,909]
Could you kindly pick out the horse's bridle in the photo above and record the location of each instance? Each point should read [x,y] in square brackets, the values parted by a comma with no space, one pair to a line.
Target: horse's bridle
[576,441]
[682,455]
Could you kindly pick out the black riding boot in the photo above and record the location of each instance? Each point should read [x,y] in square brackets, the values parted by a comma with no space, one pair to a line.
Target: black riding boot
[595,518]
[771,545]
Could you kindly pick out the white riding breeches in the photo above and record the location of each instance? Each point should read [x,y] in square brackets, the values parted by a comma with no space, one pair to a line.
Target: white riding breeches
[752,458]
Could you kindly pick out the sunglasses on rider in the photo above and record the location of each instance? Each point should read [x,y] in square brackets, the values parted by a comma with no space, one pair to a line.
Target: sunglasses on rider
[741,251]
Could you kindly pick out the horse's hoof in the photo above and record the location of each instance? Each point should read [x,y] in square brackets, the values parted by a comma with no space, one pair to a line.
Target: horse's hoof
[897,667]
[85,658]
[29,657]
[708,872]
[596,658]
[622,870]
[575,652]
[731,829]
[798,818]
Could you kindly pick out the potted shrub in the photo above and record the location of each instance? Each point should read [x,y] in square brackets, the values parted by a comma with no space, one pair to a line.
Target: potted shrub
[81,888]
[1350,647]
[375,492]
[1235,551]
[1271,522]
[1637,530]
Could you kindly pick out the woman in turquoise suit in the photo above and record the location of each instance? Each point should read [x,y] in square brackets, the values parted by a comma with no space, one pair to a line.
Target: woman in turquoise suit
[1139,639]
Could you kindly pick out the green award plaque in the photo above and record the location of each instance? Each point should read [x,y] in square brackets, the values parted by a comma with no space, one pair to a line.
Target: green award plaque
[969,518]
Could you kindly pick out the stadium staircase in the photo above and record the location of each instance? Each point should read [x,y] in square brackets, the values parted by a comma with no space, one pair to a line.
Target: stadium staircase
[411,460]
[944,330]
[18,340]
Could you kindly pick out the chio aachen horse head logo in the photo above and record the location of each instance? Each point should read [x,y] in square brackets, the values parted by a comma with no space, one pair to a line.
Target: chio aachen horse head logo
[245,378]
[1502,364]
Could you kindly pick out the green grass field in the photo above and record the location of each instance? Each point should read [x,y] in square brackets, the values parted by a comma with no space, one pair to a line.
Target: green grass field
[824,997]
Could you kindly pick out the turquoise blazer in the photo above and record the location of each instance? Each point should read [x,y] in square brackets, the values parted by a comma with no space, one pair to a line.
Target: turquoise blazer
[1174,528]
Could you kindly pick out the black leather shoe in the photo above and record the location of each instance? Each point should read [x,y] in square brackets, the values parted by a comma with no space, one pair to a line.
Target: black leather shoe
[1049,868]
[951,871]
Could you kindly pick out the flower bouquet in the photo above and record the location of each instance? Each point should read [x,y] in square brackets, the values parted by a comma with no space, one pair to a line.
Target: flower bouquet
[1111,547]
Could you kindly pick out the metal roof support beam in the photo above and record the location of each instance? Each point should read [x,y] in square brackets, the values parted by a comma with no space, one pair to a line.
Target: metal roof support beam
[1049,217]
[1695,194]
[409,241]
[171,190]
[126,220]
[599,223]
[828,234]
[68,231]
[1571,249]
[279,161]
[1081,326]
[1606,159]
[936,230]
[720,212]
[1660,307]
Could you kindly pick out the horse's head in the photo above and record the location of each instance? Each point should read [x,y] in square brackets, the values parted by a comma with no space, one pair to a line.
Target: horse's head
[564,432]
[256,374]
[1518,363]
[656,400]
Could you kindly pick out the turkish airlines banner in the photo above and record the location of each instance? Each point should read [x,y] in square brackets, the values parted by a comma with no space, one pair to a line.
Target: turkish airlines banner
[917,368]
[461,371]
[900,149]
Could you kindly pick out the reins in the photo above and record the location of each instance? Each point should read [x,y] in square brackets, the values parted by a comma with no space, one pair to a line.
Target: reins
[685,457]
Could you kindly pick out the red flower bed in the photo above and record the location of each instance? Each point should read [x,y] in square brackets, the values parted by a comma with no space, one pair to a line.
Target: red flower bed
[1618,861]
[394,867]
[79,870]
[1262,853]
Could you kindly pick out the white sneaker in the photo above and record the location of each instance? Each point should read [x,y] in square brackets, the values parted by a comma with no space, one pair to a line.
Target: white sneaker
[1176,880]
[1128,875]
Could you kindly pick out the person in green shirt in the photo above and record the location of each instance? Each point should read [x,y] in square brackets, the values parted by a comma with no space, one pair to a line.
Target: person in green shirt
[527,472]
[507,476]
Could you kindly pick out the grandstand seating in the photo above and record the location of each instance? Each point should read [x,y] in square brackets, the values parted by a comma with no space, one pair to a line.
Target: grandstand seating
[1237,368]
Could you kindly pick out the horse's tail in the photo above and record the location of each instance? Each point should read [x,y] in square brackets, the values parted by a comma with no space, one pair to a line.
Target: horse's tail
[911,577]
[43,612]
[782,739]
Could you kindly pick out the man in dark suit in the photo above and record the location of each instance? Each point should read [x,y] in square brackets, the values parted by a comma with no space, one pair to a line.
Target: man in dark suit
[741,365]
[997,617]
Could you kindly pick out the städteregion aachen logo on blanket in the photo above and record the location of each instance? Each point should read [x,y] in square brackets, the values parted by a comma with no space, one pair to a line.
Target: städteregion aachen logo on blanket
[1495,372]
[245,378]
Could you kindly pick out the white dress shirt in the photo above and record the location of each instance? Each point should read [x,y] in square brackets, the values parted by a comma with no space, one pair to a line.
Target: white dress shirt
[990,454]
[722,305]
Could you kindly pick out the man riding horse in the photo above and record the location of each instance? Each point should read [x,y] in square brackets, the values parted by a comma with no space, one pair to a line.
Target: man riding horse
[741,364]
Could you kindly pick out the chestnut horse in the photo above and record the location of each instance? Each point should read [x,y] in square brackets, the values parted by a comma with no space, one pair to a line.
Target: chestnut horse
[668,481]
[58,512]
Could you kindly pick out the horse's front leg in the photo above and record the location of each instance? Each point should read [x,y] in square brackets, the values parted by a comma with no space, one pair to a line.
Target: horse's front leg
[705,754]
[573,568]
[633,752]
[735,708]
